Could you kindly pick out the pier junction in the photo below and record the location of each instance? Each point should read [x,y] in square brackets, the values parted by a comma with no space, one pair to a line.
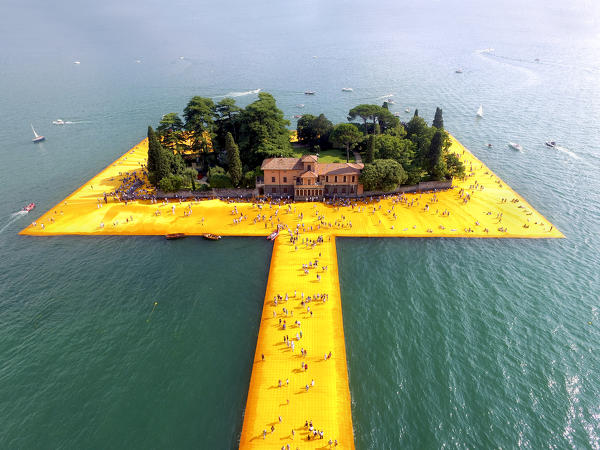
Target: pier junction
[299,382]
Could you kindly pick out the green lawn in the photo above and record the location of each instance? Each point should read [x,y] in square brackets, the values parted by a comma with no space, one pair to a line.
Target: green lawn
[331,155]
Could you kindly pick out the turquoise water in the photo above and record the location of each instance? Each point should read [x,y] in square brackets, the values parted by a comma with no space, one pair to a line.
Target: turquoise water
[467,343]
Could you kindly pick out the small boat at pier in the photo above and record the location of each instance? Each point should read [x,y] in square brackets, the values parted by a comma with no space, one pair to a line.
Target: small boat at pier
[515,146]
[273,235]
[211,237]
[37,137]
[28,207]
[173,236]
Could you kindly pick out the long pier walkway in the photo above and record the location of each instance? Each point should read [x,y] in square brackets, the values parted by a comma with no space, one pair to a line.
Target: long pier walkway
[289,388]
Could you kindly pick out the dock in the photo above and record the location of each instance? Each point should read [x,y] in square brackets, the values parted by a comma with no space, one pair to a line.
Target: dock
[326,404]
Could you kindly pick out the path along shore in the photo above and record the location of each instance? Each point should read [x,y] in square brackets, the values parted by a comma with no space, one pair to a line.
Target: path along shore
[482,205]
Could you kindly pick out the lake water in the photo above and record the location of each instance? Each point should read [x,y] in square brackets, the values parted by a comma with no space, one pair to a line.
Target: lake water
[450,342]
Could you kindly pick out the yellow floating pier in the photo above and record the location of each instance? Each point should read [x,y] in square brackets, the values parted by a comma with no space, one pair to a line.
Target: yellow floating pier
[284,393]
[293,394]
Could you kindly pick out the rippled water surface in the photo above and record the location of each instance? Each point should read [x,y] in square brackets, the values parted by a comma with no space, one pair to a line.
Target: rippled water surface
[467,343]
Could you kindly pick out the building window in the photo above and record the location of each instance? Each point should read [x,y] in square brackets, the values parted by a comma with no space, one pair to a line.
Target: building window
[335,179]
[309,168]
[285,179]
[272,179]
[344,178]
[353,178]
[343,190]
[327,178]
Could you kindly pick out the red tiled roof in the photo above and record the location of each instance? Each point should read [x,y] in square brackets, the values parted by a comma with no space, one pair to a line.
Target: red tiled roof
[308,173]
[282,164]
[340,168]
[309,158]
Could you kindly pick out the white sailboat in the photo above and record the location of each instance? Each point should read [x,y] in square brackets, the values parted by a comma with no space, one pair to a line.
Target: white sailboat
[480,111]
[37,137]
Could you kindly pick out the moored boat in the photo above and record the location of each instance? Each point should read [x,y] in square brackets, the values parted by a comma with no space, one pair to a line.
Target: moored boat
[550,144]
[172,236]
[211,237]
[347,89]
[515,146]
[480,111]
[309,92]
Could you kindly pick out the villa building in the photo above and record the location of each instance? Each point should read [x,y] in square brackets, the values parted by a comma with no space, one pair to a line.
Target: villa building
[306,179]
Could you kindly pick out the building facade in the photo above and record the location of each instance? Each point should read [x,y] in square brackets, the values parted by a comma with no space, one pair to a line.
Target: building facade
[306,179]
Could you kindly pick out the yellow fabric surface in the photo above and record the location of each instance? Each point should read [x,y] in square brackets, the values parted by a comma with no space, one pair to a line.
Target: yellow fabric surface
[327,403]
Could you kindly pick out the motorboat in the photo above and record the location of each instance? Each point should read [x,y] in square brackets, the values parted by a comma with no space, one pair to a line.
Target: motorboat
[309,92]
[301,105]
[37,137]
[211,237]
[489,145]
[77,62]
[173,236]
[458,71]
[480,111]
[550,144]
[407,110]
[58,122]
[347,89]
[297,116]
[389,101]
[273,235]
[28,207]
[515,146]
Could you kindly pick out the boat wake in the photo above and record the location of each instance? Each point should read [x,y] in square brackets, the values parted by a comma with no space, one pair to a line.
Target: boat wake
[385,96]
[238,94]
[566,151]
[12,219]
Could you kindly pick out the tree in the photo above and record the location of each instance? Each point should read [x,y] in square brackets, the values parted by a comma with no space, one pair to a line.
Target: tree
[435,164]
[322,127]
[400,150]
[171,183]
[455,166]
[438,120]
[153,150]
[263,131]
[416,114]
[198,116]
[365,112]
[306,132]
[345,134]
[386,120]
[382,175]
[370,156]
[233,160]
[169,129]
[225,115]
[191,175]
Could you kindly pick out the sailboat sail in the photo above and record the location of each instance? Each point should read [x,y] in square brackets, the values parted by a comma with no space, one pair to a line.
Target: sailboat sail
[33,129]
[480,111]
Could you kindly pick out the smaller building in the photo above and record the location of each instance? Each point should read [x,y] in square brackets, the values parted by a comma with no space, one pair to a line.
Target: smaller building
[306,179]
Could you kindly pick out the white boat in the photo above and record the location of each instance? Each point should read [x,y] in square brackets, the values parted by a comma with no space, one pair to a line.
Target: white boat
[37,137]
[301,105]
[389,101]
[407,110]
[396,114]
[551,144]
[480,111]
[309,92]
[515,146]
[58,122]
[458,71]
[77,62]
[347,89]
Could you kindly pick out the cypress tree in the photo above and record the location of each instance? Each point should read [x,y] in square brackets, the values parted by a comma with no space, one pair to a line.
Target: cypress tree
[434,155]
[416,113]
[233,159]
[438,120]
[370,157]
[153,150]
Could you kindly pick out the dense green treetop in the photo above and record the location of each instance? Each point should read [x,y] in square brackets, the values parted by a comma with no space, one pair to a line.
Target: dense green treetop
[346,135]
[438,120]
[233,160]
[382,175]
